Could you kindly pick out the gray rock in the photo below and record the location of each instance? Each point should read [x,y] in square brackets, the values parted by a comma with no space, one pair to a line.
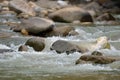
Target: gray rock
[38,44]
[96,53]
[23,48]
[21,6]
[71,14]
[36,26]
[61,31]
[61,46]
[106,17]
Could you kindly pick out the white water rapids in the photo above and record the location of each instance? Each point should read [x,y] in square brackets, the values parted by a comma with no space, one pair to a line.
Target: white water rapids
[49,62]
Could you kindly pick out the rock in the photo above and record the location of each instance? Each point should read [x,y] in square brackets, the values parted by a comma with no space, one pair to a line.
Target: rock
[95,7]
[23,48]
[97,53]
[95,59]
[21,6]
[106,17]
[61,31]
[24,32]
[61,46]
[71,14]
[32,0]
[38,44]
[102,1]
[5,50]
[73,33]
[1,1]
[36,26]
[79,1]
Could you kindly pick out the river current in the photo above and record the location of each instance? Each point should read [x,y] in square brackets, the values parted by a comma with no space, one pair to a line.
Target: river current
[48,65]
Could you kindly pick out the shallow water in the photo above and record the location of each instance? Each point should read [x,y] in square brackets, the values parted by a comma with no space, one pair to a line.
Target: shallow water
[48,65]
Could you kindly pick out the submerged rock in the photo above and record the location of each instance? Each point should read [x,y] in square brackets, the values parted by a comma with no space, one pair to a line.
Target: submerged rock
[71,14]
[95,59]
[38,44]
[5,50]
[97,53]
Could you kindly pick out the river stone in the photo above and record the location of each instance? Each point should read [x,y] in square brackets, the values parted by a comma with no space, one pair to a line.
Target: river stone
[97,53]
[23,48]
[21,6]
[36,26]
[61,46]
[61,31]
[96,59]
[38,44]
[106,17]
[71,14]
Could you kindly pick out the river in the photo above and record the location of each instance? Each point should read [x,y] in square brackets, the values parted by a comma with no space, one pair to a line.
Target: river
[48,65]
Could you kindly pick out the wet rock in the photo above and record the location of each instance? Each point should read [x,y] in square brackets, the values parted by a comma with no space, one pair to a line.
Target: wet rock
[24,32]
[36,26]
[97,53]
[73,33]
[79,1]
[1,1]
[21,6]
[71,14]
[61,46]
[61,31]
[23,48]
[102,1]
[38,44]
[5,50]
[95,59]
[106,17]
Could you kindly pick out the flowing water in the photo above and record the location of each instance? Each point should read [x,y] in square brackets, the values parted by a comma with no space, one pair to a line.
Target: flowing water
[48,65]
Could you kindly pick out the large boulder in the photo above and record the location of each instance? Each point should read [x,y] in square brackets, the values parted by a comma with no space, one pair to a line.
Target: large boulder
[21,6]
[95,59]
[38,44]
[71,14]
[61,46]
[36,26]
